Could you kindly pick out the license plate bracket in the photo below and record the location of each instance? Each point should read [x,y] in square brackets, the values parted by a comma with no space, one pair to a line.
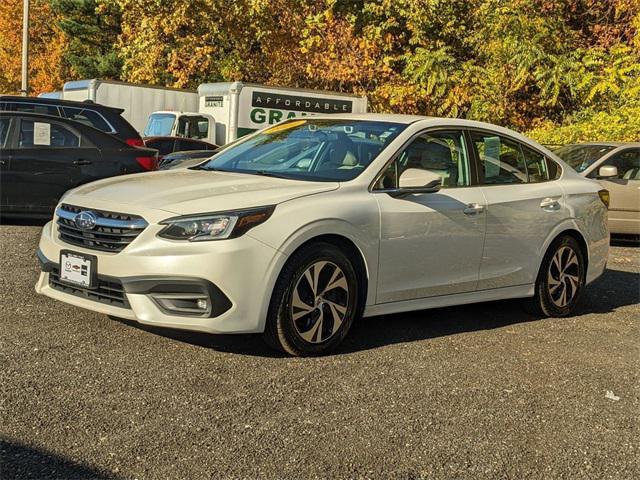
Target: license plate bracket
[78,269]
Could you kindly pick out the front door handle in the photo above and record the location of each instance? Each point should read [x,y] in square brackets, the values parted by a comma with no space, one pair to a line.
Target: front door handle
[549,204]
[473,208]
[82,161]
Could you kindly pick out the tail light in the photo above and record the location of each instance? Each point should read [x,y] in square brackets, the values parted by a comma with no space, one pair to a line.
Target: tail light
[604,196]
[135,142]
[148,163]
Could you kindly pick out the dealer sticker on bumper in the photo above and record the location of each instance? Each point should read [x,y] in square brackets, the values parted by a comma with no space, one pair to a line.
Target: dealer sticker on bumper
[76,269]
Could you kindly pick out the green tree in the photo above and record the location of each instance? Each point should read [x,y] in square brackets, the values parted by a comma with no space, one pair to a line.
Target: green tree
[92,28]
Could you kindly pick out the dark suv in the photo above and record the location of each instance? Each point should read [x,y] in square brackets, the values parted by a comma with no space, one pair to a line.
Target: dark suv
[42,156]
[106,119]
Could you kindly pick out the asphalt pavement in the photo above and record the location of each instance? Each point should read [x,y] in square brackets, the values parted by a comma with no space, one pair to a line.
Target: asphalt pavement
[479,391]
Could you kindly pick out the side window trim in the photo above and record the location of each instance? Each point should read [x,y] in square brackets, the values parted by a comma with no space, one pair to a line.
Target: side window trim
[472,167]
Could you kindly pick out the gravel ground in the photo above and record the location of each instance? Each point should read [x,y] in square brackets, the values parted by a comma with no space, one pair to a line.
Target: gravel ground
[481,391]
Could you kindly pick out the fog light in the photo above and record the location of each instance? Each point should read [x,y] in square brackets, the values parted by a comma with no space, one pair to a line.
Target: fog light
[203,304]
[183,303]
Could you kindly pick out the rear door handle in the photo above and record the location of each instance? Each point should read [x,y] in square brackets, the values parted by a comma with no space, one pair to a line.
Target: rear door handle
[473,208]
[82,161]
[549,204]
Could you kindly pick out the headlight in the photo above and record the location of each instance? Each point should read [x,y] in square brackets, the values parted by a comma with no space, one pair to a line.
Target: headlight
[214,226]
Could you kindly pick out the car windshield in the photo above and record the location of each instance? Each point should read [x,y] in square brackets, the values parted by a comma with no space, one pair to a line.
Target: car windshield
[581,157]
[308,149]
[159,125]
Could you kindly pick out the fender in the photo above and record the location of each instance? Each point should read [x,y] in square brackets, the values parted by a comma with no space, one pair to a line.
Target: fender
[304,233]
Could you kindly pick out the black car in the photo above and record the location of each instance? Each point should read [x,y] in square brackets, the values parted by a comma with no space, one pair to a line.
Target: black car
[42,156]
[167,145]
[184,159]
[105,119]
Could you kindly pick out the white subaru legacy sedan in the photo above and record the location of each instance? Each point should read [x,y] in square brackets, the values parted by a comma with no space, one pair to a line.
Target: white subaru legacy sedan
[298,229]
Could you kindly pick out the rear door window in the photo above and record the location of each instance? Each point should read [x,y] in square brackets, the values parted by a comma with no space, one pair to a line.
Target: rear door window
[87,117]
[45,134]
[501,159]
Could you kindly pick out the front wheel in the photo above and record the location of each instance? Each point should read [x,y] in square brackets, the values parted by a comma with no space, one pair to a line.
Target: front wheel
[560,280]
[314,301]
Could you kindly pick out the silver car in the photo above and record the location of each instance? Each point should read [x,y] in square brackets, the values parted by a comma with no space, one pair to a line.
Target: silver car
[616,166]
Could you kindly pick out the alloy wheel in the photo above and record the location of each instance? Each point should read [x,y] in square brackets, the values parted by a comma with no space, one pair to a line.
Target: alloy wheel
[563,277]
[319,301]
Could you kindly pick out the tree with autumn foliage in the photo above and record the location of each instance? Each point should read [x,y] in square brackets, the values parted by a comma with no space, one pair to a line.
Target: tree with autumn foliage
[47,70]
[563,70]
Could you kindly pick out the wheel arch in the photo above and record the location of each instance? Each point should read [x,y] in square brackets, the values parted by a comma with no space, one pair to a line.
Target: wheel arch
[354,254]
[573,232]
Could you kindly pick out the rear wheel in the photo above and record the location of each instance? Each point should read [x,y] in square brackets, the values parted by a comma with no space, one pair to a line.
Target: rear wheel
[314,302]
[560,280]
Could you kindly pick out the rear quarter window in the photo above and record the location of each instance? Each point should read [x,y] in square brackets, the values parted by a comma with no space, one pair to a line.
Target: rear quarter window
[87,117]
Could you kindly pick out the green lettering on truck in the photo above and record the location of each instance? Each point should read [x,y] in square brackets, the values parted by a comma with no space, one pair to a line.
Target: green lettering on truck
[274,116]
[258,115]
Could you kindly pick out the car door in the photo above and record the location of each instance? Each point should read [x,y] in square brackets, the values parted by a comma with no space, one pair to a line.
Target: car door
[49,159]
[624,190]
[431,243]
[524,205]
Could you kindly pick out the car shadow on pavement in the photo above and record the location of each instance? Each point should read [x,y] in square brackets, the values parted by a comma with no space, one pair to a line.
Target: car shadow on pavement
[606,294]
[21,461]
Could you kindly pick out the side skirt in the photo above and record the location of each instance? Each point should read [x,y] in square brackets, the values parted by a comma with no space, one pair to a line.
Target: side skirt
[519,291]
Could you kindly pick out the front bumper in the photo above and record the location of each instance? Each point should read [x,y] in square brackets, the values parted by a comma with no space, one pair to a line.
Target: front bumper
[150,279]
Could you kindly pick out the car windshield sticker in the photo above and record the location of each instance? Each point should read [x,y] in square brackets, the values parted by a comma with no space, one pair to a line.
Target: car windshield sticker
[41,133]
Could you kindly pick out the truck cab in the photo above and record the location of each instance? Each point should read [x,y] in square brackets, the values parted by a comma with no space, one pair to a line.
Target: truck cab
[200,126]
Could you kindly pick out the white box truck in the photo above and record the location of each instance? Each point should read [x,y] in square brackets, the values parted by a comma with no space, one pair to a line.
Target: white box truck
[138,101]
[227,111]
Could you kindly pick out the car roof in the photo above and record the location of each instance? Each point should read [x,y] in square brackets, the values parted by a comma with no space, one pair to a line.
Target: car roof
[87,129]
[58,102]
[409,119]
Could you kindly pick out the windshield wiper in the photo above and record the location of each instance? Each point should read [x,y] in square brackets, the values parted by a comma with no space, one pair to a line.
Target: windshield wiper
[267,173]
[263,173]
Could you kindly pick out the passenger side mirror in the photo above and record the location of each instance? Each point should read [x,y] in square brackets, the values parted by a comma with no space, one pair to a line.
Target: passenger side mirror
[416,180]
[608,171]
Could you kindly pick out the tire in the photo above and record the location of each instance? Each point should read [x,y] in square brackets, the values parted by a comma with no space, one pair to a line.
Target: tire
[306,318]
[560,280]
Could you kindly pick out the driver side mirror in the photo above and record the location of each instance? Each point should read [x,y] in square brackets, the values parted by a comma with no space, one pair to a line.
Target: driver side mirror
[416,180]
[608,171]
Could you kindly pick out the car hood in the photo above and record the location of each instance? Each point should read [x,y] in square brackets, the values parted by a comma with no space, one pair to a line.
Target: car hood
[194,191]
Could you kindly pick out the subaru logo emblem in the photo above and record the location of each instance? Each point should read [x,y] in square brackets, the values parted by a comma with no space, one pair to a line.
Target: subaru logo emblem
[85,220]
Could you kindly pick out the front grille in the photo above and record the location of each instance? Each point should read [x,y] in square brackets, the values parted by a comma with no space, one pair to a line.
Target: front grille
[112,232]
[109,290]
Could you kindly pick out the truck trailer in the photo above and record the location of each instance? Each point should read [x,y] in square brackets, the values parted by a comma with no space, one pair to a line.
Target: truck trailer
[138,101]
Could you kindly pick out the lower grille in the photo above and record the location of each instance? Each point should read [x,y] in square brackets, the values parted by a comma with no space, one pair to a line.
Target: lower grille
[109,290]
